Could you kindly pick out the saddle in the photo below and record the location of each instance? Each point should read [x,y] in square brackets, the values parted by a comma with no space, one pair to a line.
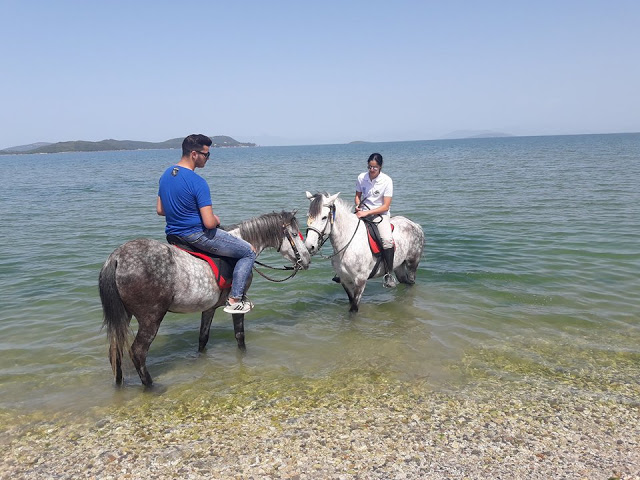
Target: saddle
[375,243]
[222,267]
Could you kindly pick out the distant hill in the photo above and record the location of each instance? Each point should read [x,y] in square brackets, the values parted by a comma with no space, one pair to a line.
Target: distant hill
[110,144]
[26,148]
[474,134]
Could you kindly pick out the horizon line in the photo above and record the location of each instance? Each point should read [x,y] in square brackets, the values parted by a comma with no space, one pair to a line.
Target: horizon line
[9,151]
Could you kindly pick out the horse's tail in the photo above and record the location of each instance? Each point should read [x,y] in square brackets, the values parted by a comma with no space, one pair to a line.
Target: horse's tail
[116,316]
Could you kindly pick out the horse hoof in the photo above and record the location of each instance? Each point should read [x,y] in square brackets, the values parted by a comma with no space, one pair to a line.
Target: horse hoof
[156,389]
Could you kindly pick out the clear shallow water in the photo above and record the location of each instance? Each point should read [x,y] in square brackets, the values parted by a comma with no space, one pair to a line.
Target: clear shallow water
[531,269]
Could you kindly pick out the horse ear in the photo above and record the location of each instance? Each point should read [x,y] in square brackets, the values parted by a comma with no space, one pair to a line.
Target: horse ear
[331,200]
[309,195]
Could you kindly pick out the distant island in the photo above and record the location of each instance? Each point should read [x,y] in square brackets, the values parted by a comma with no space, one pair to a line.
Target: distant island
[219,141]
[464,134]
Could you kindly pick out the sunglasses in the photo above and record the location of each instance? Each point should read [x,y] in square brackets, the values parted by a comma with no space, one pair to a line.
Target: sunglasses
[373,168]
[206,155]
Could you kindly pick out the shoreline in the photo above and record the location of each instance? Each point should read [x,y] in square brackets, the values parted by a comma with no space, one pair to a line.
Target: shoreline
[367,428]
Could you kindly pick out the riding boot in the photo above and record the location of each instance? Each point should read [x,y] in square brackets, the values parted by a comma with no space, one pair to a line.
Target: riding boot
[387,256]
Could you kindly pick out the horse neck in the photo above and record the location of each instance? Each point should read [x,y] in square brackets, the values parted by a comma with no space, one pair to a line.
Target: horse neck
[344,225]
[261,232]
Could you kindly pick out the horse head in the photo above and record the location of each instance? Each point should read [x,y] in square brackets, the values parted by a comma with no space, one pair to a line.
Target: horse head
[320,218]
[292,246]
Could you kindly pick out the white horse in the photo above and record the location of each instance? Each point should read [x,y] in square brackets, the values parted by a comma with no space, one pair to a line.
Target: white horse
[332,218]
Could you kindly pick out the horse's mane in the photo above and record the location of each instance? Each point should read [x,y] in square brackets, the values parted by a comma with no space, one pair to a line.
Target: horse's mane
[318,200]
[316,204]
[265,229]
[343,204]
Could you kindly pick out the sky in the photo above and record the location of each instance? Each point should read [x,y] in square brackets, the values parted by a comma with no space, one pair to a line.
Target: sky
[316,72]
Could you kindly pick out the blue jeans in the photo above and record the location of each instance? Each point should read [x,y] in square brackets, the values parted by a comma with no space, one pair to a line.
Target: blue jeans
[219,242]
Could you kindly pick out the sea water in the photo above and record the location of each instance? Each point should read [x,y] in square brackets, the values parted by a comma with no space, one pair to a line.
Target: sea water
[531,267]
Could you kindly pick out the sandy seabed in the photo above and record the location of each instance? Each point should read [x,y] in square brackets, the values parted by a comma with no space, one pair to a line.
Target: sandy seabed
[375,429]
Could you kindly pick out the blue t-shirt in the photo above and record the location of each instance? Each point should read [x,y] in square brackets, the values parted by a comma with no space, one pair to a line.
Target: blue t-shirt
[183,193]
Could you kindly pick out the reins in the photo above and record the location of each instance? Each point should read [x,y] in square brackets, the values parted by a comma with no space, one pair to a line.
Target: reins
[347,245]
[264,275]
[296,267]
[323,238]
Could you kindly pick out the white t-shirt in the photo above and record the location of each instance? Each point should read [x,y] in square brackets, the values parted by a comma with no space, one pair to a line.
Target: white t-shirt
[374,191]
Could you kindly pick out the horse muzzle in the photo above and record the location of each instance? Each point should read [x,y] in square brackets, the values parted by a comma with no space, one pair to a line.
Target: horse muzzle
[313,247]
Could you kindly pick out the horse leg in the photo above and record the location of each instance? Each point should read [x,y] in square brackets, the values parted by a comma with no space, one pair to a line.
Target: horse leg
[346,289]
[205,327]
[410,268]
[403,275]
[348,286]
[412,260]
[238,328]
[357,293]
[147,330]
[354,292]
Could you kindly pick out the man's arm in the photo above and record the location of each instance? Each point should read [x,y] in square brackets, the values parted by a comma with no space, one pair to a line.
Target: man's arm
[209,219]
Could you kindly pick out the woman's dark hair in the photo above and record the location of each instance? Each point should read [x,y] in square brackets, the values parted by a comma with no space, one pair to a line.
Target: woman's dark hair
[375,157]
[195,142]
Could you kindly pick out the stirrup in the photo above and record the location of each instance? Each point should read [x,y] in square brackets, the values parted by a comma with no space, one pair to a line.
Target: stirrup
[389,281]
[336,279]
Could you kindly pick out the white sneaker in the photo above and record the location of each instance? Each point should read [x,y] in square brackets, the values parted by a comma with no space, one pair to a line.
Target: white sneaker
[243,306]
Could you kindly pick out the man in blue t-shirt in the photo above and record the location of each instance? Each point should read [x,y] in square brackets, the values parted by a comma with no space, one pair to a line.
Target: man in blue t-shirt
[184,199]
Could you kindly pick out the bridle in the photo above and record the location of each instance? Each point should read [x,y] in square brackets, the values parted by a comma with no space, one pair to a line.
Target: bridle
[296,266]
[287,234]
[323,235]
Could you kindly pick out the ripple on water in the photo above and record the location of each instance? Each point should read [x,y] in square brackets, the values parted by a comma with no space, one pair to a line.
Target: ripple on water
[529,272]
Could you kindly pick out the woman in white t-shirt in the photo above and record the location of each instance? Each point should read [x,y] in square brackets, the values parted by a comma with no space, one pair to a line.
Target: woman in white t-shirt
[374,191]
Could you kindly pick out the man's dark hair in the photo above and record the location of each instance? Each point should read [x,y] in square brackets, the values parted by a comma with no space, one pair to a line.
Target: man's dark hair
[195,142]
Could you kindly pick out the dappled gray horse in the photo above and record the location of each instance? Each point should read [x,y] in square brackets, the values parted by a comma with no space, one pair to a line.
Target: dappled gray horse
[146,279]
[331,218]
